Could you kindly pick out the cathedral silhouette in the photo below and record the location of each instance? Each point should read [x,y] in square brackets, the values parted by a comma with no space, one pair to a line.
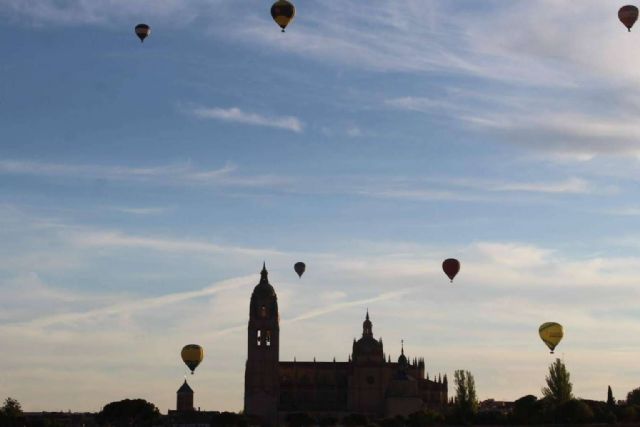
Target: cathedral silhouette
[367,384]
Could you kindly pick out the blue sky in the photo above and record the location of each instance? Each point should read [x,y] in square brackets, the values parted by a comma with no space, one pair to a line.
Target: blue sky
[142,186]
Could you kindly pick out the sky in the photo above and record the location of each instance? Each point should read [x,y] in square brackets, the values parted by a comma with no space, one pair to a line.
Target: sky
[143,185]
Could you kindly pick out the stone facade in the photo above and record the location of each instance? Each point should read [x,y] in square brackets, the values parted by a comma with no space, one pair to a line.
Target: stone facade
[367,384]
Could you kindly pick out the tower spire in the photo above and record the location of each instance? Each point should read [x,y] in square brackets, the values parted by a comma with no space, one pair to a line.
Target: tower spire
[264,273]
[367,327]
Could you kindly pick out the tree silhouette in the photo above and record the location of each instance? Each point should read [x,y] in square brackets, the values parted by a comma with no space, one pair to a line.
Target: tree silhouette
[633,397]
[11,413]
[611,402]
[129,412]
[466,403]
[558,389]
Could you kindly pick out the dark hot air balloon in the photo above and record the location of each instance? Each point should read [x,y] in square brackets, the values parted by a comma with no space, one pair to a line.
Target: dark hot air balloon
[192,355]
[451,267]
[299,267]
[142,31]
[628,15]
[283,11]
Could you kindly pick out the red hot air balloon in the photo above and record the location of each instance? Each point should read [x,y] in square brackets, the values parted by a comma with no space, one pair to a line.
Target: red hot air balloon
[451,267]
[299,267]
[628,15]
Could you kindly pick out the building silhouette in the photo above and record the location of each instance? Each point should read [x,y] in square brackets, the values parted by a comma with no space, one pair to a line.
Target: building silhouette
[184,397]
[367,383]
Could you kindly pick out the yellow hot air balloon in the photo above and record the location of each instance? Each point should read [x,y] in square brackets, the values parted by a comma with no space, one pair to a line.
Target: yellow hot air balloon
[551,333]
[192,355]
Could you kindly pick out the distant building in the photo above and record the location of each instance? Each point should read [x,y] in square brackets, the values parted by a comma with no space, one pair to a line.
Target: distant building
[368,383]
[492,405]
[185,414]
[62,419]
[184,398]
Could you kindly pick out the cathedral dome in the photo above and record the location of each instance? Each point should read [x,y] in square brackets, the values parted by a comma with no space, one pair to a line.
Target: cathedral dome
[402,360]
[367,348]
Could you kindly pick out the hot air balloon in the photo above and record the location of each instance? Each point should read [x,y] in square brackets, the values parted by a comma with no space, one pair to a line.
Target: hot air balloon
[142,31]
[192,355]
[299,267]
[551,333]
[283,11]
[451,266]
[628,15]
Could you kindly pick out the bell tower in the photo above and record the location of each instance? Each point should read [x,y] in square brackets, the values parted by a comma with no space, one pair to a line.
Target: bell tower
[261,378]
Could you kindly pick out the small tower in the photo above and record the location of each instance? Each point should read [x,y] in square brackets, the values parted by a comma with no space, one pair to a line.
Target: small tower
[184,398]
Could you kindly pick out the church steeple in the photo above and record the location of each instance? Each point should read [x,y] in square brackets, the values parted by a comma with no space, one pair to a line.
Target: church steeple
[263,341]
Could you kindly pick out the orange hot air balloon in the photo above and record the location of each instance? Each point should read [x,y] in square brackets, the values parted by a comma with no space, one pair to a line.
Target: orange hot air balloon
[451,266]
[299,267]
[142,31]
[628,15]
[192,355]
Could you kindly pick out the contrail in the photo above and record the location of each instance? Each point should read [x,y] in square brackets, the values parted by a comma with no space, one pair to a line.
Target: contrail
[339,306]
[325,310]
[144,304]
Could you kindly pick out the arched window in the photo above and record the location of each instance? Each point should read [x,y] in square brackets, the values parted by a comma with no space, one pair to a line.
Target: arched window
[259,338]
[263,311]
[267,338]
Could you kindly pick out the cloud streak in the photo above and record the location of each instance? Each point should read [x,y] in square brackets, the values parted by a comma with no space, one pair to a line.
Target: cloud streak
[115,239]
[164,174]
[236,115]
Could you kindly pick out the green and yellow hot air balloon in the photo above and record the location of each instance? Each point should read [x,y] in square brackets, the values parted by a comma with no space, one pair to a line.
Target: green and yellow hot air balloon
[551,333]
[192,355]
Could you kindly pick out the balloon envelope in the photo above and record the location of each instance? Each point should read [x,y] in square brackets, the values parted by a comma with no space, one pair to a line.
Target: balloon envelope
[283,12]
[628,15]
[142,31]
[451,266]
[299,267]
[192,355]
[551,333]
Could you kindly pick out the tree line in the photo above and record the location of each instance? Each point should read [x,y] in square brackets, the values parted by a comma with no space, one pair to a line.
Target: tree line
[556,406]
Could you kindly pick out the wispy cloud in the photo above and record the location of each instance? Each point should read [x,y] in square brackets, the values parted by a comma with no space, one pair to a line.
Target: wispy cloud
[114,239]
[164,174]
[624,211]
[139,211]
[572,185]
[82,12]
[476,190]
[236,115]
